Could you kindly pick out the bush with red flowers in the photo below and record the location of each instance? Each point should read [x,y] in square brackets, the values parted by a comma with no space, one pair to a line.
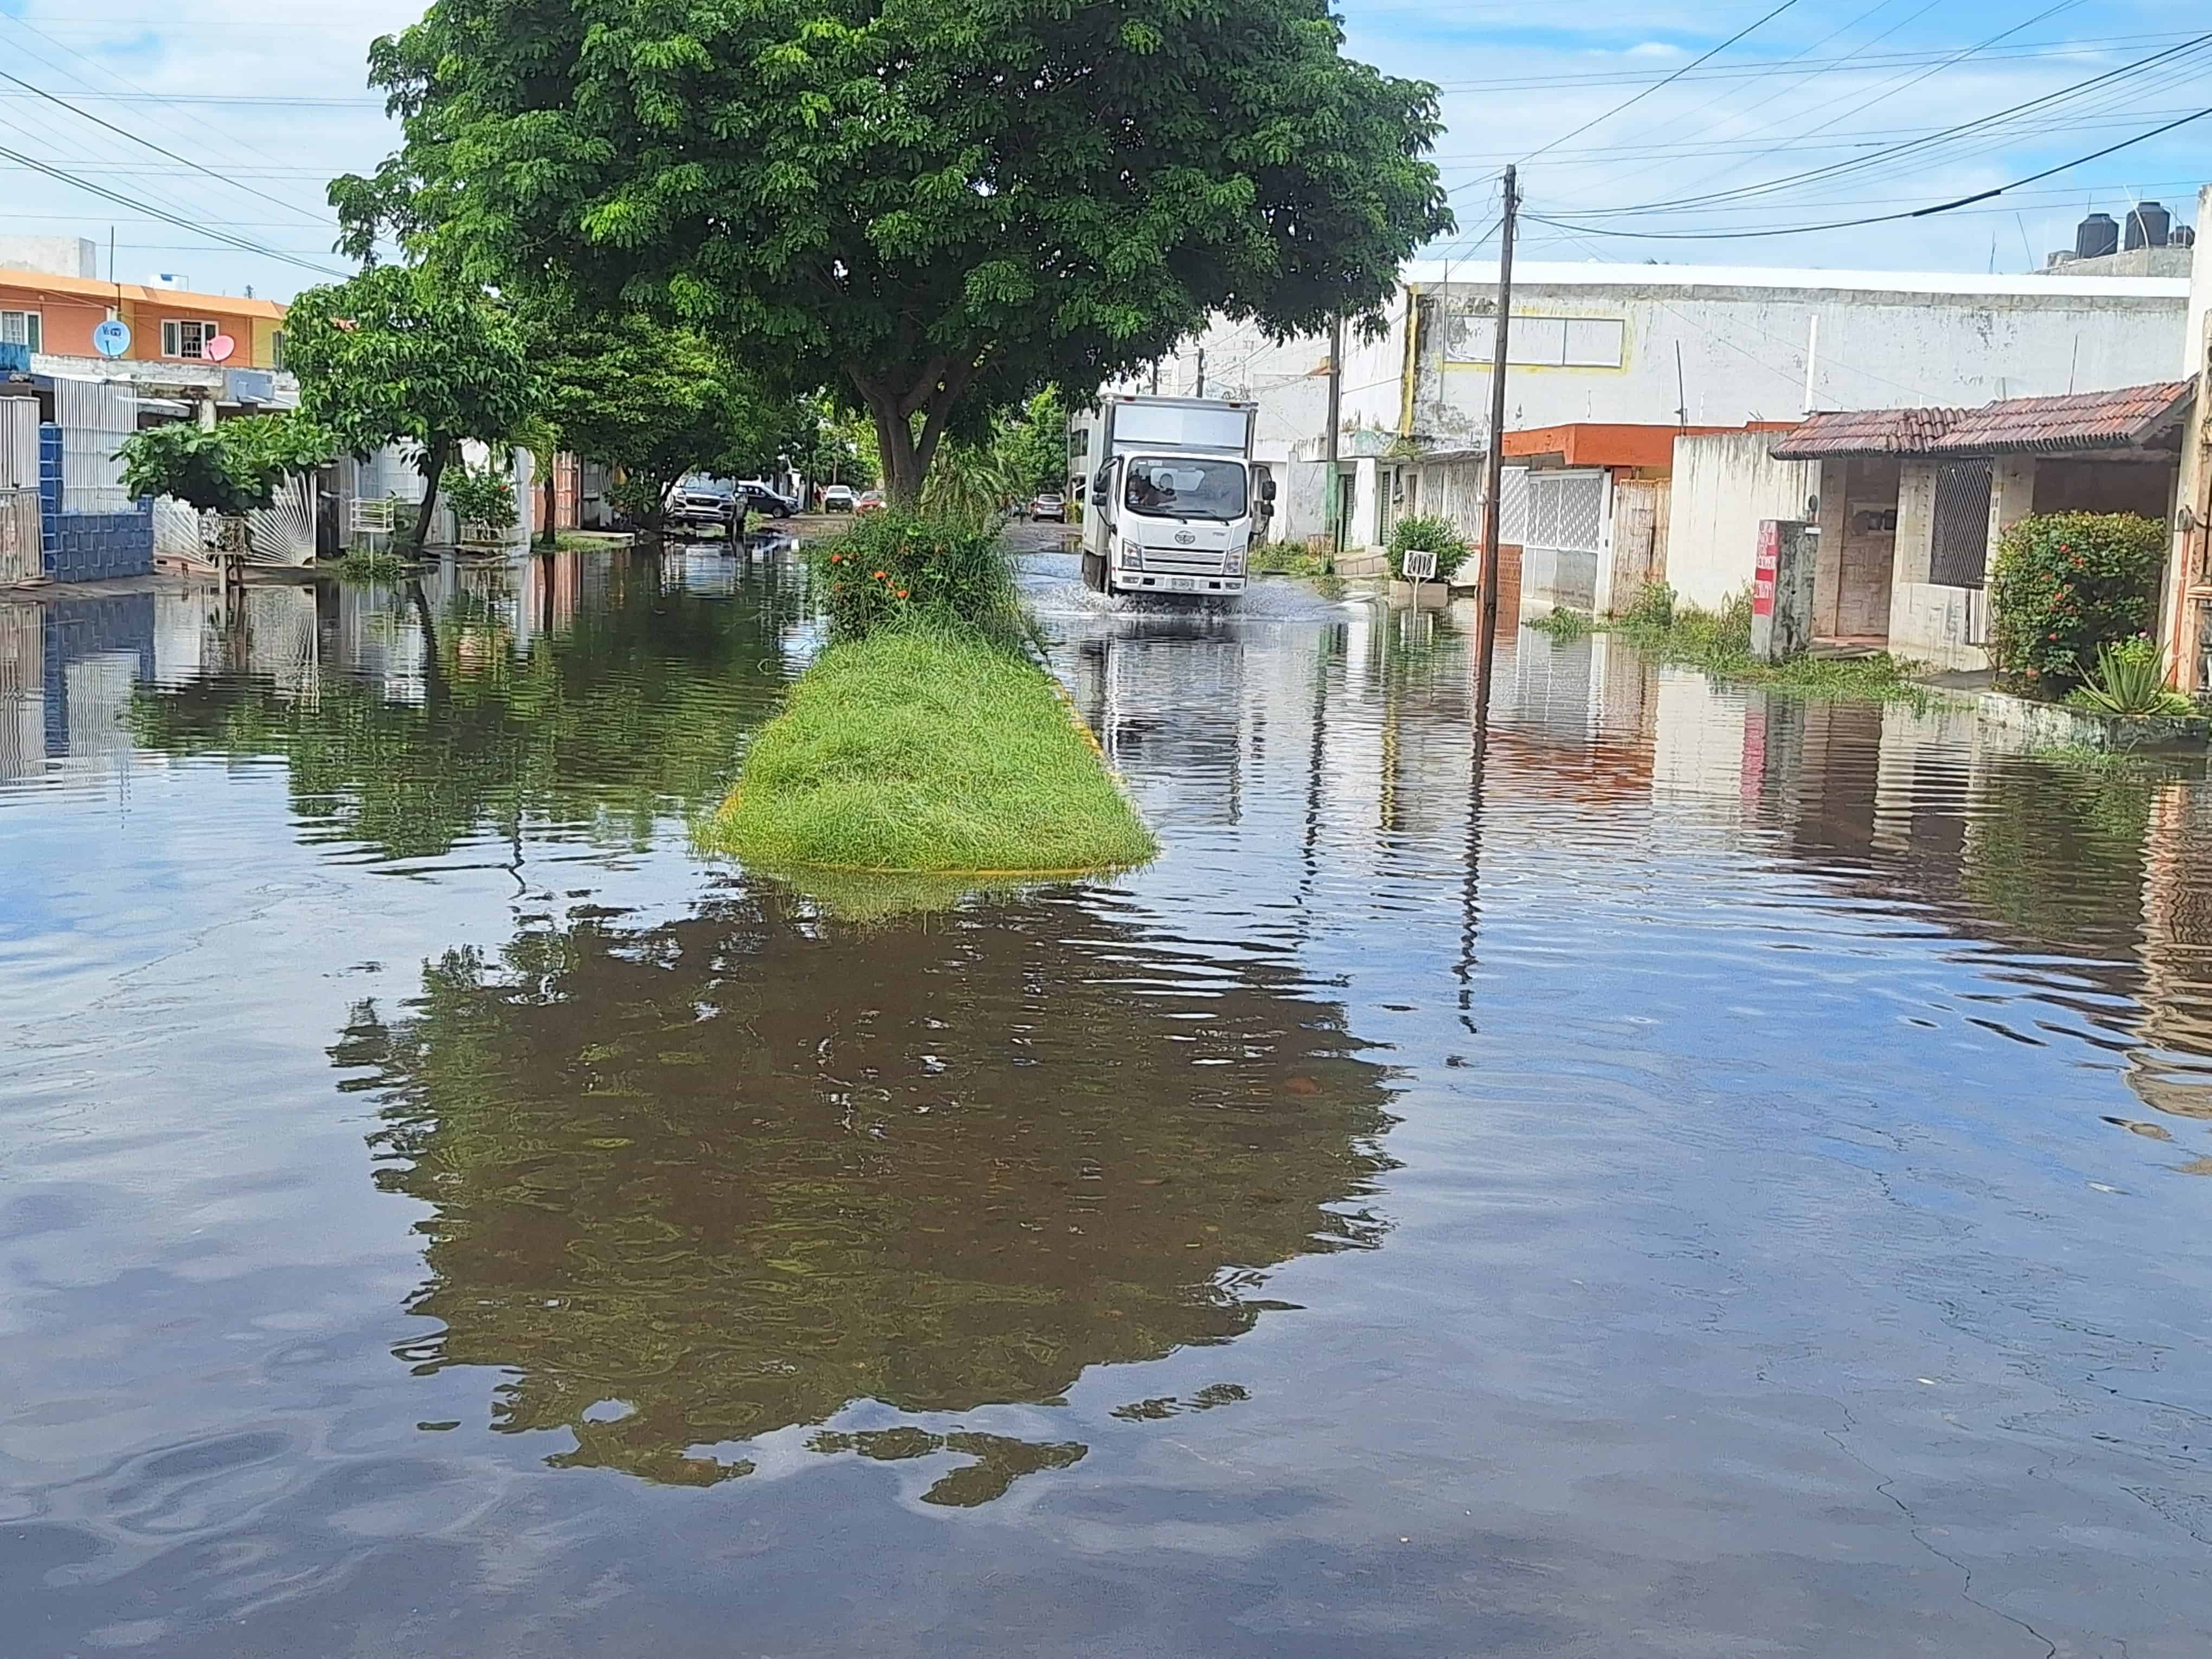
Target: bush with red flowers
[2064,586]
[897,567]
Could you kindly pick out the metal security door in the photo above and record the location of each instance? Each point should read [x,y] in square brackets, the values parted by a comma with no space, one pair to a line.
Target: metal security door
[1959,555]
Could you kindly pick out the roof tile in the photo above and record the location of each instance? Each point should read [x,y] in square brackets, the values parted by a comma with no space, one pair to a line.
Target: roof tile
[2079,420]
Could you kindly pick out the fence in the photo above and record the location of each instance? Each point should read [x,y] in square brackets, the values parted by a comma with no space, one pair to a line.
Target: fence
[96,417]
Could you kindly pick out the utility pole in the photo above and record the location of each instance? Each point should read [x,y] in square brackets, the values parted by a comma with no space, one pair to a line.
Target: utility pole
[1335,424]
[1493,460]
[1200,392]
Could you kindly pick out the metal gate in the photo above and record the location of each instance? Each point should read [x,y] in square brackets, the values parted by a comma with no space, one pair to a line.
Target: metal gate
[20,560]
[1959,551]
[1565,538]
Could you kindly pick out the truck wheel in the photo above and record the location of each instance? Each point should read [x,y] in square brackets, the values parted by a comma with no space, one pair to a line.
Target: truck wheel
[1094,572]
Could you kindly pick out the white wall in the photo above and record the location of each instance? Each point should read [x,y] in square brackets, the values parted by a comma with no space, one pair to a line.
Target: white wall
[1724,484]
[1886,339]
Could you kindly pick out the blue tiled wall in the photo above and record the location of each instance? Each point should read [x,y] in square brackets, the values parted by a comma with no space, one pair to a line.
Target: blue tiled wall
[89,546]
[80,627]
[50,490]
[83,547]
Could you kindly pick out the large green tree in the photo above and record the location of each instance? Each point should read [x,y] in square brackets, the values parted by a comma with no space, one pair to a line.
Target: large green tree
[937,206]
[409,353]
[659,402]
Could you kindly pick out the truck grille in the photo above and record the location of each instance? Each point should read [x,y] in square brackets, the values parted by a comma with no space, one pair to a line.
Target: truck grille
[1184,561]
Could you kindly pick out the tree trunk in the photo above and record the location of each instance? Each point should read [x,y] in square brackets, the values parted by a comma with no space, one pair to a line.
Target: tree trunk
[433,468]
[902,469]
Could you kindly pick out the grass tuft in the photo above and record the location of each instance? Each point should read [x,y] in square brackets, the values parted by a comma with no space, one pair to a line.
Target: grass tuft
[928,751]
[1719,642]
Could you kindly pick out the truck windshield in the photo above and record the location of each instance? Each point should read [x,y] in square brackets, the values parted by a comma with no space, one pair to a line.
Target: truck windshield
[1185,486]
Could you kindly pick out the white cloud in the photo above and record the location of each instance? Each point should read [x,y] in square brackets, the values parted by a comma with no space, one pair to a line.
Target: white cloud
[1657,49]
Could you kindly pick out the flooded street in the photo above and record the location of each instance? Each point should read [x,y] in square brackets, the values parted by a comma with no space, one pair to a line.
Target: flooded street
[1722,1176]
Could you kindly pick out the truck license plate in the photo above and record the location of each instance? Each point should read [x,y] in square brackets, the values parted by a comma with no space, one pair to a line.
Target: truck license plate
[1183,584]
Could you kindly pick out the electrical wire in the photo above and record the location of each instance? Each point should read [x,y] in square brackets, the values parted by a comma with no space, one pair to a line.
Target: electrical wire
[1876,219]
[242,244]
[1627,103]
[232,184]
[1859,164]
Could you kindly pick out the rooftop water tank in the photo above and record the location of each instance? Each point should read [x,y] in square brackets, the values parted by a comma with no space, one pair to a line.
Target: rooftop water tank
[2147,226]
[2096,235]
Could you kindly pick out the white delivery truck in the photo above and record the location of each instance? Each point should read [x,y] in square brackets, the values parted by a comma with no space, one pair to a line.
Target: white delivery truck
[1176,502]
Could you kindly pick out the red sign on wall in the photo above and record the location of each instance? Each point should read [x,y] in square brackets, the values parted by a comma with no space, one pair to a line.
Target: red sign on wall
[1763,572]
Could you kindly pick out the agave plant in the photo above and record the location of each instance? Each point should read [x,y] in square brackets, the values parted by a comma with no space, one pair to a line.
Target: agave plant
[2129,679]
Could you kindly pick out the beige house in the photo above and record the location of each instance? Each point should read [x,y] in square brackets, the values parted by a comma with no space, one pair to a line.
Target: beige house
[1912,501]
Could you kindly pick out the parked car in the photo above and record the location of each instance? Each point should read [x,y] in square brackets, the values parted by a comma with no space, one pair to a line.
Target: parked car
[872,501]
[1050,505]
[698,501]
[839,498]
[768,500]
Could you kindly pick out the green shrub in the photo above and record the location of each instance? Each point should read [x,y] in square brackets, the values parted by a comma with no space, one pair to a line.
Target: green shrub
[2064,586]
[2129,679]
[1652,607]
[1422,531]
[235,466]
[897,567]
[484,497]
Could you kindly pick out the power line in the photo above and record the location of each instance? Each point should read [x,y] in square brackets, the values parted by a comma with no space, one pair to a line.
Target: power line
[1757,67]
[242,244]
[1836,169]
[1877,219]
[1669,81]
[124,132]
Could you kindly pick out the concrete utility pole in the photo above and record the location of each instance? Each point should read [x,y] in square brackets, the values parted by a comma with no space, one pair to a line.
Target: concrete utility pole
[1493,460]
[1200,392]
[1335,425]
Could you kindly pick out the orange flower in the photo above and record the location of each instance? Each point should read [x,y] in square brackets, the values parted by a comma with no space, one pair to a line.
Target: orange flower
[834,557]
[883,576]
[901,592]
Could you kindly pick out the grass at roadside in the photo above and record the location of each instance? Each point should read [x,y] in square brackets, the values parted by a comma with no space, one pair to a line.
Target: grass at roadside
[1719,642]
[1284,559]
[926,750]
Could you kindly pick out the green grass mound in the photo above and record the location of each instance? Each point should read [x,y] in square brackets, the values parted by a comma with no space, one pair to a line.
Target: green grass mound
[915,751]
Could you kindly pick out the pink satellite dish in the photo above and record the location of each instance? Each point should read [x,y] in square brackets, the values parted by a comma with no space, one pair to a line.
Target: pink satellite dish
[218,347]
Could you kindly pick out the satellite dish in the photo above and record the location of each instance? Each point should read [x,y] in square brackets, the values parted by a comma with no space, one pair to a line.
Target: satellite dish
[112,338]
[218,349]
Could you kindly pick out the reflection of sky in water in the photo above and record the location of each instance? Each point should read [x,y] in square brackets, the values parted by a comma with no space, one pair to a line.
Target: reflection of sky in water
[1759,1124]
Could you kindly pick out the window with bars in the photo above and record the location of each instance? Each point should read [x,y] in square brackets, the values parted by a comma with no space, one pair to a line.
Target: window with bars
[1959,555]
[22,328]
[186,338]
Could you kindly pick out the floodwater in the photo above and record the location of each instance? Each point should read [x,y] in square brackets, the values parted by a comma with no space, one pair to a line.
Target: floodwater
[1724,1176]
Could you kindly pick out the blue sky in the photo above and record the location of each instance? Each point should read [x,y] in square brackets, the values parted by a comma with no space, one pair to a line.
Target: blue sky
[1827,84]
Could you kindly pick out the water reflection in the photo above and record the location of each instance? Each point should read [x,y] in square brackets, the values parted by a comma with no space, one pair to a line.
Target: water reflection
[575,689]
[739,1169]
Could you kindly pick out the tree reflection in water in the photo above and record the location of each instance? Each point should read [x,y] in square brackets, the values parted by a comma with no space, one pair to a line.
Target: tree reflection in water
[738,1171]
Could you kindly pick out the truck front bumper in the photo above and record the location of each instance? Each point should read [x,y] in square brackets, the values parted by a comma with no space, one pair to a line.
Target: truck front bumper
[1149,581]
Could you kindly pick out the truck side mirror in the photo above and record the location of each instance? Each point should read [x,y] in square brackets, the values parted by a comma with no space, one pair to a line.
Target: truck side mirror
[1097,494]
[1268,491]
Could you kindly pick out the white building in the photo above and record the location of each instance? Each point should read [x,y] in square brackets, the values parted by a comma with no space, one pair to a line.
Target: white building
[1652,345]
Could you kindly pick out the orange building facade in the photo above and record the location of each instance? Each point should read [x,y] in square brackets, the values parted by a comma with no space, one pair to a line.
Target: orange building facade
[57,315]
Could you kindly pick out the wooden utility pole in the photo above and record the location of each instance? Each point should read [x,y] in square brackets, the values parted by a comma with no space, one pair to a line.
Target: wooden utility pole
[1201,373]
[1493,460]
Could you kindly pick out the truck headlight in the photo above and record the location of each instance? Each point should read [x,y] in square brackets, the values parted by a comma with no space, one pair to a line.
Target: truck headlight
[1132,557]
[1235,567]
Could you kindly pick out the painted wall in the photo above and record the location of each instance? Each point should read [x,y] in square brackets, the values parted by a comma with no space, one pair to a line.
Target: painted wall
[1724,485]
[1741,340]
[70,309]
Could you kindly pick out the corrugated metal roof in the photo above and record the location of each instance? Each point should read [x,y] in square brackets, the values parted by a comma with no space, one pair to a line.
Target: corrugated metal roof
[2078,420]
[2082,419]
[1865,432]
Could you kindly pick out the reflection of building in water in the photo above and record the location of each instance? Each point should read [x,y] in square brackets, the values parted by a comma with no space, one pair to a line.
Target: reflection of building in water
[66,670]
[2172,1073]
[665,1169]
